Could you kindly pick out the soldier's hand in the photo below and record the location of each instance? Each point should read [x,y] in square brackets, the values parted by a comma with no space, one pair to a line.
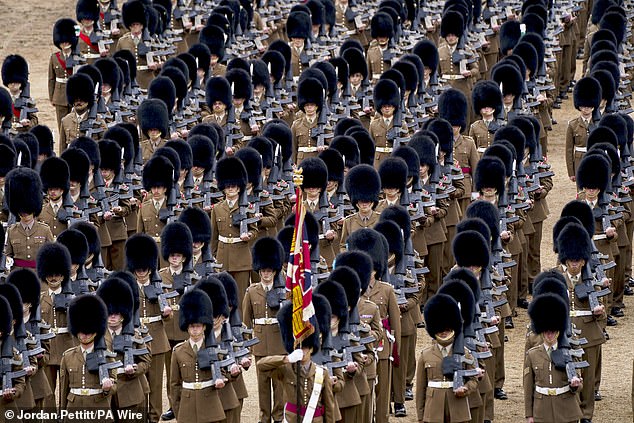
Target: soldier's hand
[29,370]
[107,215]
[610,232]
[235,370]
[245,237]
[130,369]
[219,383]
[330,235]
[188,25]
[530,420]
[598,310]
[8,394]
[115,31]
[167,311]
[246,363]
[295,356]
[351,368]
[107,384]
[461,392]
[606,282]
[333,379]
[575,382]
[505,235]
[25,122]
[481,372]
[466,74]
[573,178]
[229,151]
[322,148]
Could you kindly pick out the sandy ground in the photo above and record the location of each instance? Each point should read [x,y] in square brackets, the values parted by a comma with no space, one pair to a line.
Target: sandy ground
[26,29]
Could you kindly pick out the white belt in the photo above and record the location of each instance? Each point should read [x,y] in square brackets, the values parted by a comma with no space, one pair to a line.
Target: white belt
[581,149]
[552,391]
[229,239]
[599,237]
[580,313]
[481,149]
[307,149]
[142,67]
[265,321]
[350,32]
[120,370]
[92,55]
[198,385]
[61,80]
[175,307]
[439,385]
[452,77]
[85,392]
[57,331]
[153,319]
[384,149]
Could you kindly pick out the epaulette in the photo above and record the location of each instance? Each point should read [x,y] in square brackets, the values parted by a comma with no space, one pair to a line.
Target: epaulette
[68,350]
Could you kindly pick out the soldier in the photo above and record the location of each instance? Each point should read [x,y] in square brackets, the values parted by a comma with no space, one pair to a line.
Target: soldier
[242,92]
[587,98]
[134,16]
[153,118]
[15,76]
[363,185]
[177,250]
[310,100]
[119,300]
[213,37]
[298,31]
[317,402]
[27,235]
[487,102]
[219,100]
[385,125]
[80,95]
[261,303]
[378,56]
[437,397]
[77,245]
[229,238]
[114,218]
[575,248]
[80,384]
[10,395]
[61,67]
[55,177]
[7,163]
[382,294]
[158,182]
[28,285]
[200,227]
[142,261]
[548,393]
[88,16]
[194,391]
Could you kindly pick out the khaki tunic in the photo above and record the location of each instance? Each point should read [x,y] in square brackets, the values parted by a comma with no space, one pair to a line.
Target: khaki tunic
[304,145]
[23,245]
[576,138]
[50,219]
[354,222]
[235,256]
[540,371]
[56,88]
[143,75]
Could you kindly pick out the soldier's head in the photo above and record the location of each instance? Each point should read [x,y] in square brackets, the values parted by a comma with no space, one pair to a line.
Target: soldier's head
[298,42]
[310,109]
[219,107]
[356,78]
[387,110]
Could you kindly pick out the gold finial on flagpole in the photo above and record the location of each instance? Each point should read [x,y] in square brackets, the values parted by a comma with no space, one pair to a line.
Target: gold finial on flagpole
[298,178]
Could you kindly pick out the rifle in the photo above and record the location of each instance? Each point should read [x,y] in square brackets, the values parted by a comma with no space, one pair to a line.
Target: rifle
[6,365]
[97,361]
[124,344]
[208,358]
[585,290]
[452,365]
[240,219]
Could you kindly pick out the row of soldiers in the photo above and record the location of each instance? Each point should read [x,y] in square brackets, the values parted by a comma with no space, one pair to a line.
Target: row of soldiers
[368,138]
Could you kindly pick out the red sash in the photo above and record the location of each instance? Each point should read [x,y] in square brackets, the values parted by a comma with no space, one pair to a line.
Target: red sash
[86,39]
[101,15]
[16,112]
[63,63]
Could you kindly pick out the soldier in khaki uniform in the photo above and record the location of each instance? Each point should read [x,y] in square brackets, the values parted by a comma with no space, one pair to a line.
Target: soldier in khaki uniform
[79,92]
[114,219]
[548,393]
[15,76]
[487,102]
[378,55]
[194,390]
[27,235]
[142,261]
[363,185]
[87,13]
[229,240]
[135,20]
[80,386]
[177,251]
[213,37]
[436,398]
[382,294]
[310,100]
[157,181]
[60,67]
[574,252]
[459,67]
[587,99]
[383,128]
[28,285]
[299,31]
[220,100]
[56,183]
[120,303]
[370,322]
[312,377]
[10,395]
[153,118]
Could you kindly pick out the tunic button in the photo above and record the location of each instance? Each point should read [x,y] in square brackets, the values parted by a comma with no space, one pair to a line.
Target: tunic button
[28,237]
[28,256]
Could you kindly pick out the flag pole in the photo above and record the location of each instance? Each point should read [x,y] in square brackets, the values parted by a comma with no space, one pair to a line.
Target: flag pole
[298,179]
